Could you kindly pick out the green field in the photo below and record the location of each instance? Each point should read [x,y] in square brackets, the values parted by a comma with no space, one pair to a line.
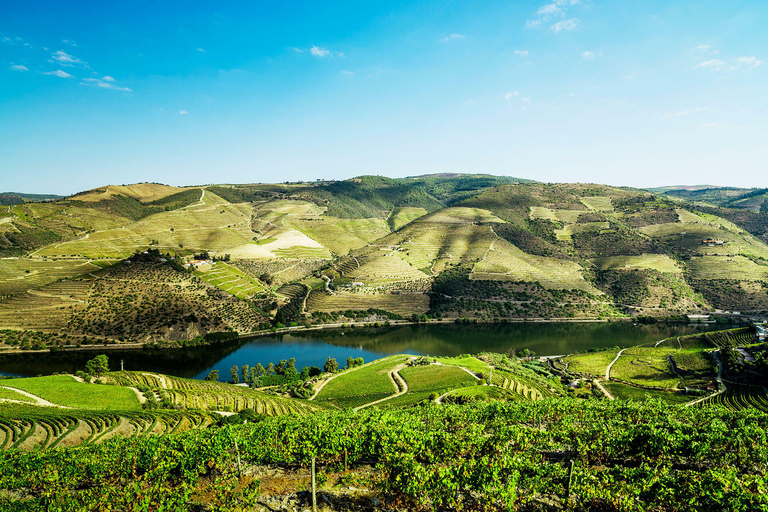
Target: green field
[402,216]
[21,274]
[594,363]
[646,367]
[65,391]
[232,280]
[626,392]
[362,385]
[10,394]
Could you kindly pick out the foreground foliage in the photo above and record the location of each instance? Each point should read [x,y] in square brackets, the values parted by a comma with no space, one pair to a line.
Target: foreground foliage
[490,456]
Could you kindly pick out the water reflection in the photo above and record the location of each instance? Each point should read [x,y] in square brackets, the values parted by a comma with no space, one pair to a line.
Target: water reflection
[311,348]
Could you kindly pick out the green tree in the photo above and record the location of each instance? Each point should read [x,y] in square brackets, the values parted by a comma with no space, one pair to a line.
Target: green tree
[214,375]
[244,372]
[233,371]
[97,365]
[331,365]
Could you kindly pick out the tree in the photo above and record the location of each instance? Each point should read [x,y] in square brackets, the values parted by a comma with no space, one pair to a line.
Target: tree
[330,365]
[233,371]
[214,375]
[359,361]
[244,370]
[350,362]
[97,365]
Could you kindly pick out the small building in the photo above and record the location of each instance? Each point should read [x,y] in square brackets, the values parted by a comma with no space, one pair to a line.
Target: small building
[761,331]
[712,242]
[698,318]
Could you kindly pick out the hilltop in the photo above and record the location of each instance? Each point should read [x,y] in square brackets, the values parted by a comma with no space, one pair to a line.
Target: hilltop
[151,262]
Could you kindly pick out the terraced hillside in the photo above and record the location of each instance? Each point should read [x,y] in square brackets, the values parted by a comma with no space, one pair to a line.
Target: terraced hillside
[473,246]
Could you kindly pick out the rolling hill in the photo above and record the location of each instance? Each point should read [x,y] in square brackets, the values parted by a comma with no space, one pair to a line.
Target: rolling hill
[444,246]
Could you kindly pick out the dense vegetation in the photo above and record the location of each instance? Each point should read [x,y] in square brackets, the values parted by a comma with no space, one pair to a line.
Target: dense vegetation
[489,456]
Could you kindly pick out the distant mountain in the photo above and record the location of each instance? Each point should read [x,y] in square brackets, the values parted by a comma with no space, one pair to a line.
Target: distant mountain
[754,199]
[9,198]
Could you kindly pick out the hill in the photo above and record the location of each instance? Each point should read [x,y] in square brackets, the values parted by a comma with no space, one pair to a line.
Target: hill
[461,247]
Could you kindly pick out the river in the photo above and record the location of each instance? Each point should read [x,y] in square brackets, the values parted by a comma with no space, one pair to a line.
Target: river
[311,348]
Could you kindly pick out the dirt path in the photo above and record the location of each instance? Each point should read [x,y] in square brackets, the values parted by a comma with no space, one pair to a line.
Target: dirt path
[604,391]
[38,401]
[608,370]
[397,381]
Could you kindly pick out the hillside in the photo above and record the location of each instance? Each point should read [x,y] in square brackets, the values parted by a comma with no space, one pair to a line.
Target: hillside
[471,247]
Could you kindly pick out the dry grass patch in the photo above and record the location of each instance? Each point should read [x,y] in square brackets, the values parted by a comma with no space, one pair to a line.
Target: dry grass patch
[599,203]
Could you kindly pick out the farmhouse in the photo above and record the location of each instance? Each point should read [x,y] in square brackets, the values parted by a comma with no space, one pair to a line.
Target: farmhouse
[761,330]
[711,242]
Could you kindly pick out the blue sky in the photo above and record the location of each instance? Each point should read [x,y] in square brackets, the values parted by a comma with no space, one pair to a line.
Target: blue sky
[642,93]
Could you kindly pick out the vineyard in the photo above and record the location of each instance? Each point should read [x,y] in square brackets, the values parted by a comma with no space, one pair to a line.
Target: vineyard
[205,395]
[739,397]
[544,455]
[732,337]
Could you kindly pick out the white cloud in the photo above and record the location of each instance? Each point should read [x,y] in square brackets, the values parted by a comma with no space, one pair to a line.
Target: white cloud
[688,112]
[201,50]
[511,95]
[522,53]
[69,42]
[533,23]
[320,52]
[59,73]
[549,10]
[631,75]
[19,67]
[66,59]
[347,72]
[712,64]
[702,47]
[570,24]
[297,50]
[588,55]
[752,61]
[708,125]
[183,112]
[452,37]
[7,40]
[105,83]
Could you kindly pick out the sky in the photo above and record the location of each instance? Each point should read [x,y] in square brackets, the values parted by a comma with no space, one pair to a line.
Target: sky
[640,93]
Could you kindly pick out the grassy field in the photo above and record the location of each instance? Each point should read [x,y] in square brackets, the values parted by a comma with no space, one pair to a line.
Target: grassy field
[646,367]
[340,235]
[569,230]
[232,280]
[66,391]
[477,393]
[10,394]
[727,267]
[363,385]
[567,216]
[385,269]
[469,362]
[504,261]
[626,392]
[593,363]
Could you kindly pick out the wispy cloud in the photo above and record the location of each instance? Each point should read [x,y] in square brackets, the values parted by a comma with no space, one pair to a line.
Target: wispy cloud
[69,42]
[588,55]
[751,61]
[522,53]
[183,112]
[66,59]
[702,47]
[318,51]
[516,97]
[715,64]
[106,82]
[346,72]
[566,25]
[59,73]
[452,37]
[19,67]
[201,50]
[554,10]
[297,50]
[695,110]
